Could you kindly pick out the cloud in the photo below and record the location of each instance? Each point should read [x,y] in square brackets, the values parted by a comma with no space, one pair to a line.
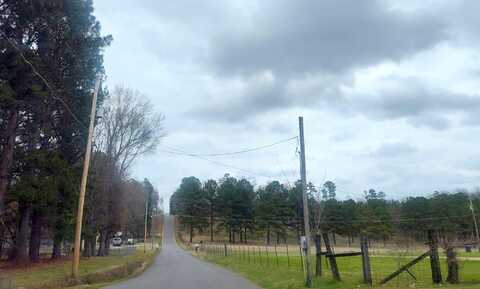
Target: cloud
[265,93]
[302,37]
[411,99]
[393,150]
[400,77]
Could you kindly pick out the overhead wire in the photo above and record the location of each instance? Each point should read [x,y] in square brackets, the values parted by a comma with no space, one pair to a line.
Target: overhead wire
[177,151]
[247,150]
[215,162]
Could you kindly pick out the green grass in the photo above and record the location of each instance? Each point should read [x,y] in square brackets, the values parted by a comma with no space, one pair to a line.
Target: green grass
[265,272]
[54,275]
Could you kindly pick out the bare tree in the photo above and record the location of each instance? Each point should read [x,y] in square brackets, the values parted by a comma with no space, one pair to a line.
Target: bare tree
[128,128]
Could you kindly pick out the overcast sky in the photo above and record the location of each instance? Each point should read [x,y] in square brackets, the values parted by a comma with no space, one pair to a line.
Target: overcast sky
[388,89]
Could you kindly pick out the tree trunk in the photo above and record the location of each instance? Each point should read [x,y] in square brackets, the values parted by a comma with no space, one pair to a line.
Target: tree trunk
[35,236]
[101,243]
[268,234]
[191,232]
[6,158]
[211,228]
[87,247]
[246,241]
[93,245]
[107,244]
[57,247]
[20,253]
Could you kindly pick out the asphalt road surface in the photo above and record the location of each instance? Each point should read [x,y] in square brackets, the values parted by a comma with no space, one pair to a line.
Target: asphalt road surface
[174,268]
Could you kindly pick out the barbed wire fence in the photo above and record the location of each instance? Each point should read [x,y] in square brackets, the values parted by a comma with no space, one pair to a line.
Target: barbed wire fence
[402,259]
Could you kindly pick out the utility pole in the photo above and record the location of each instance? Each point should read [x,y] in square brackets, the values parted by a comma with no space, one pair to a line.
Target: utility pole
[145,228]
[83,185]
[303,175]
[474,221]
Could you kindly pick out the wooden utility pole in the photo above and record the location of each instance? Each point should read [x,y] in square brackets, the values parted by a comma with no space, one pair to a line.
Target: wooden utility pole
[474,221]
[306,222]
[145,227]
[83,185]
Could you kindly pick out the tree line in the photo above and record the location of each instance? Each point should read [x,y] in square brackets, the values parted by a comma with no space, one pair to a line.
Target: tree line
[238,209]
[51,52]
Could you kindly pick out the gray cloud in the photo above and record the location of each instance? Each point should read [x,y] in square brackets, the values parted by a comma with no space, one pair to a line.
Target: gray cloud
[420,105]
[235,74]
[257,98]
[297,37]
[261,96]
[394,150]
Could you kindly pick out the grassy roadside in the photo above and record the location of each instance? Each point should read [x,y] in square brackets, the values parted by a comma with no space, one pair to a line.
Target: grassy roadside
[279,273]
[95,270]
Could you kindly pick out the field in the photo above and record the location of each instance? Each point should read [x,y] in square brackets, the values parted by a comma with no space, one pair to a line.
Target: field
[95,269]
[279,271]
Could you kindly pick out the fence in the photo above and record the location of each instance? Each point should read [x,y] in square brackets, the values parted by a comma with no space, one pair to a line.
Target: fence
[400,262]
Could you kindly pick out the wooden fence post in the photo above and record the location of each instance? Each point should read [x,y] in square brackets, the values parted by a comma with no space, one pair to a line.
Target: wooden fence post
[367,272]
[331,257]
[318,261]
[452,264]
[301,257]
[288,255]
[225,249]
[434,259]
[259,254]
[266,254]
[276,254]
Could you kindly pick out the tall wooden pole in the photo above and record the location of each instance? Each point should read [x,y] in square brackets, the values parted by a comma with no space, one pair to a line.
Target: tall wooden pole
[306,222]
[145,227]
[83,185]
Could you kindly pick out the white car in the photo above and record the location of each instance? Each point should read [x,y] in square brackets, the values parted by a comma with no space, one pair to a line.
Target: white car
[117,241]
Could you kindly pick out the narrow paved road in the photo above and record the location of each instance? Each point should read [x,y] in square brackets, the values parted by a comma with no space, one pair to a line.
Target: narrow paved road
[176,269]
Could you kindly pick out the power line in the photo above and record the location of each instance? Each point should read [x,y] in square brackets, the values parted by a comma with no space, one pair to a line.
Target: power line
[178,152]
[247,150]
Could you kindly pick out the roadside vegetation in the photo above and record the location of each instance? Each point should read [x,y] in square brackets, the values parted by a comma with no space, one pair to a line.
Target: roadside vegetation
[95,271]
[266,220]
[281,277]
[272,268]
[52,53]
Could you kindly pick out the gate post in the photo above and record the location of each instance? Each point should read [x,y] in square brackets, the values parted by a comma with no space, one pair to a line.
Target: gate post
[367,272]
[434,259]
